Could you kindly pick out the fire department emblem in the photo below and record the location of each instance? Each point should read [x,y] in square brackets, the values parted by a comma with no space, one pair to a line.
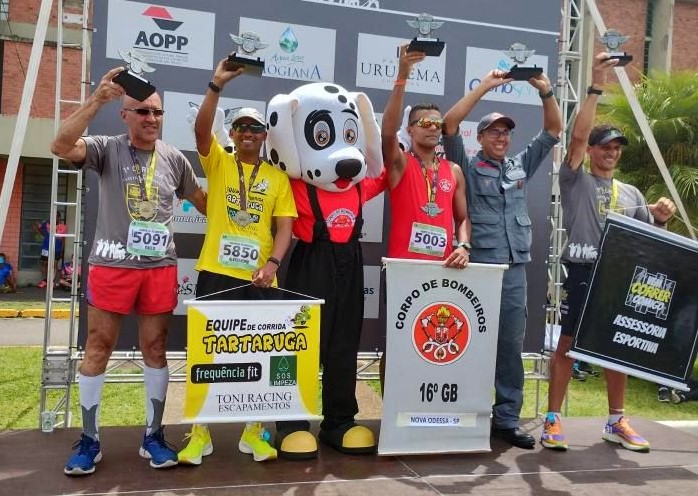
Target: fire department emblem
[441,333]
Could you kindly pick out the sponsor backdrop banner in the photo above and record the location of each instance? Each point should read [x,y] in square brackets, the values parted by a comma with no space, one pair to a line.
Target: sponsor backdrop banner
[641,314]
[252,360]
[440,355]
[352,44]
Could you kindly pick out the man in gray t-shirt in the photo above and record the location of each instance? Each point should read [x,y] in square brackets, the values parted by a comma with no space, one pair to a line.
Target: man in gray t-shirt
[133,264]
[586,198]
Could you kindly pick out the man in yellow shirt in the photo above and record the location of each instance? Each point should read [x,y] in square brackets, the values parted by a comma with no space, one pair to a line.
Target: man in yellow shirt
[246,195]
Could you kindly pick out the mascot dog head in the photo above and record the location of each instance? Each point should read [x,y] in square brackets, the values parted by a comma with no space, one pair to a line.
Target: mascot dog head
[325,135]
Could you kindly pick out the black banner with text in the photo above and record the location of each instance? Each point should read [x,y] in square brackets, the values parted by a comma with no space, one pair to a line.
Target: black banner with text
[641,313]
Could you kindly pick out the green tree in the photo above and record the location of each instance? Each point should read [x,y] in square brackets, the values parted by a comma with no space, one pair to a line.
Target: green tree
[670,102]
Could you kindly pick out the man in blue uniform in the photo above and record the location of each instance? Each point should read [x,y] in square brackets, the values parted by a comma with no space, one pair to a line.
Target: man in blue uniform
[501,228]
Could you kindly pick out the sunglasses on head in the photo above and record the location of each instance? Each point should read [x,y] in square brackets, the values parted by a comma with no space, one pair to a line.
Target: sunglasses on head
[254,128]
[147,111]
[427,122]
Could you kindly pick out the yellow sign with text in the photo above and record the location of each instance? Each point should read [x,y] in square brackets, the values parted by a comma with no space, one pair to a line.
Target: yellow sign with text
[252,360]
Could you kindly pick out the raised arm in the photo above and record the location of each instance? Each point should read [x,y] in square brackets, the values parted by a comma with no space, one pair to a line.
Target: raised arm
[393,158]
[67,143]
[552,118]
[207,112]
[583,123]
[464,106]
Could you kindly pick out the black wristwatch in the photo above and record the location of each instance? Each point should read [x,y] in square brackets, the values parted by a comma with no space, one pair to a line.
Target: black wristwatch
[214,87]
[466,245]
[594,91]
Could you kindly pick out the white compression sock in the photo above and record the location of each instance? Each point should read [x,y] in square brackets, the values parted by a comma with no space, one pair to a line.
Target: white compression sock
[155,392]
[90,397]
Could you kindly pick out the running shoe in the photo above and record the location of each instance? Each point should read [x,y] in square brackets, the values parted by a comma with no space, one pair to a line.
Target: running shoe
[200,445]
[577,374]
[83,460]
[588,369]
[623,434]
[255,441]
[678,396]
[552,436]
[41,285]
[664,394]
[156,449]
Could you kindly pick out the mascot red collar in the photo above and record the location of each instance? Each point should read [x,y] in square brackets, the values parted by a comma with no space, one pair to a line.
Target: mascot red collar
[324,135]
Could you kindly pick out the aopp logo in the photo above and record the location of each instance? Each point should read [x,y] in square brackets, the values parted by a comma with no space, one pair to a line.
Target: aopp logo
[441,333]
[168,42]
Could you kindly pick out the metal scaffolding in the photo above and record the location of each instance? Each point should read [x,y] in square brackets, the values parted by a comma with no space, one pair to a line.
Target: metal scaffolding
[59,362]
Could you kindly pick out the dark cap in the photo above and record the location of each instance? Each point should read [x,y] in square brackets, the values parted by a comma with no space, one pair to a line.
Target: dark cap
[490,119]
[253,114]
[601,135]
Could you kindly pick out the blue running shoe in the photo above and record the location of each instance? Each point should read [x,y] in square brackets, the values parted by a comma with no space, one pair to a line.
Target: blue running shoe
[156,449]
[83,460]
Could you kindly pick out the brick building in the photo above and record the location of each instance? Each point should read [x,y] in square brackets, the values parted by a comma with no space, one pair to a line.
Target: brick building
[663,37]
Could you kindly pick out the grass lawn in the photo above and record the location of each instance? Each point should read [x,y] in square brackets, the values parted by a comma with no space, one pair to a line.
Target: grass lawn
[20,373]
[20,393]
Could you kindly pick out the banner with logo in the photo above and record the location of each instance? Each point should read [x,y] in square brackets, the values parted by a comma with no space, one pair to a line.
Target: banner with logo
[641,314]
[252,360]
[442,327]
[164,35]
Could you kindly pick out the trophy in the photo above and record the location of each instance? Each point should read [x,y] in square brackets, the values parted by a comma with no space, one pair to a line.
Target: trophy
[612,39]
[249,43]
[519,53]
[131,79]
[424,42]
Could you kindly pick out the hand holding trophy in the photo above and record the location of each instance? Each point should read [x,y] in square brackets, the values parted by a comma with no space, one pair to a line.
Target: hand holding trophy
[424,42]
[520,53]
[612,40]
[131,79]
[249,43]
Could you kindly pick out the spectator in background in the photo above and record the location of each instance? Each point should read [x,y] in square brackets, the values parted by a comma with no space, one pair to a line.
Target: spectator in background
[8,283]
[44,230]
[67,273]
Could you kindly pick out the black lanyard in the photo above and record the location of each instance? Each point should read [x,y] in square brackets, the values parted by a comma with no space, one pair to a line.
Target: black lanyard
[241,176]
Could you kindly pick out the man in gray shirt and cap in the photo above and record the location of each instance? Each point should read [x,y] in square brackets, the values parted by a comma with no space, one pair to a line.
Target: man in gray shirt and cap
[586,198]
[501,229]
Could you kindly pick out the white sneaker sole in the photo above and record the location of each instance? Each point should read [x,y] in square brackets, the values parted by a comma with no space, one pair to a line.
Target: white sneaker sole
[79,471]
[247,449]
[165,464]
[208,449]
[619,440]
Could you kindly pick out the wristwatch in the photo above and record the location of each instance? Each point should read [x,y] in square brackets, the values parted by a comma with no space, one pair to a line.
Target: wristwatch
[466,245]
[594,91]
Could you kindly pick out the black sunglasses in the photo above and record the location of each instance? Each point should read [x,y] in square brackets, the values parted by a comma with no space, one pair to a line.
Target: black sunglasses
[147,111]
[254,128]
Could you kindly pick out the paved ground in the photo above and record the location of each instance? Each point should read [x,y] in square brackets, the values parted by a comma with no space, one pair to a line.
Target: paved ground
[30,293]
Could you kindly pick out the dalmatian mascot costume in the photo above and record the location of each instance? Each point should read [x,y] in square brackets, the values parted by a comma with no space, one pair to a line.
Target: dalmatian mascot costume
[328,142]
